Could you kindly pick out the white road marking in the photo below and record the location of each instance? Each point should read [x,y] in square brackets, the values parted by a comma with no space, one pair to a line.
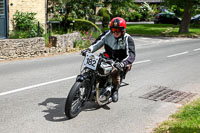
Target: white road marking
[139,62]
[59,80]
[50,82]
[196,49]
[178,54]
[33,86]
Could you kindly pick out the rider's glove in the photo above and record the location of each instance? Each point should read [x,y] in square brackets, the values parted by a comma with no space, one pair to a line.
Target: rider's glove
[84,51]
[119,65]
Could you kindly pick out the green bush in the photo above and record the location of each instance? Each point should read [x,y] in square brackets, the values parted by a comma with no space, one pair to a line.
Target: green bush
[135,16]
[25,26]
[177,10]
[197,11]
[106,19]
[103,12]
[24,21]
[85,25]
[146,11]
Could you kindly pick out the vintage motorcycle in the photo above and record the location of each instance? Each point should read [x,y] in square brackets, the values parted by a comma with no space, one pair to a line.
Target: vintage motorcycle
[93,84]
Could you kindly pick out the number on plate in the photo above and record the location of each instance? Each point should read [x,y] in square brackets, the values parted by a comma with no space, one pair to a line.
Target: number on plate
[91,61]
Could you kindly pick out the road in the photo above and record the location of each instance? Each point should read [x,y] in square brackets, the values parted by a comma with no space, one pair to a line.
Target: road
[33,91]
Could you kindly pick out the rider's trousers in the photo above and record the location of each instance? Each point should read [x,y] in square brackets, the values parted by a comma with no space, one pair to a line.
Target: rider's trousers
[116,75]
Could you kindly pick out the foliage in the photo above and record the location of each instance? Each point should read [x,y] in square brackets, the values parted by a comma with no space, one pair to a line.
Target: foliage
[197,10]
[186,120]
[104,13]
[183,4]
[55,8]
[18,34]
[87,38]
[155,8]
[121,12]
[68,10]
[75,8]
[134,16]
[76,24]
[132,12]
[25,25]
[177,10]
[146,11]
[23,21]
[189,7]
[121,8]
[85,25]
[60,31]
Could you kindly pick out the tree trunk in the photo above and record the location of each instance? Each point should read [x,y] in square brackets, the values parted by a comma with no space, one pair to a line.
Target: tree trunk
[185,23]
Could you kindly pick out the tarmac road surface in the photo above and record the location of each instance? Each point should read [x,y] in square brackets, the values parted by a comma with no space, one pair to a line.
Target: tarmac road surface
[33,92]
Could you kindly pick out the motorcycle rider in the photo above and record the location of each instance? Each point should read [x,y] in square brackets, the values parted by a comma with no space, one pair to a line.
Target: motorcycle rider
[120,47]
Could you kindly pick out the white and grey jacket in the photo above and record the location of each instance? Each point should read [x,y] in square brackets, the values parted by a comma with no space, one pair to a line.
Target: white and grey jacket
[121,49]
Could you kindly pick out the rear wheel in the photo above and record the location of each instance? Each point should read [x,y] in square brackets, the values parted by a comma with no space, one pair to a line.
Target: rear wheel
[75,100]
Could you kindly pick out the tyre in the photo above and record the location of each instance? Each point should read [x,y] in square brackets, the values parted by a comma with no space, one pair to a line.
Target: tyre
[75,100]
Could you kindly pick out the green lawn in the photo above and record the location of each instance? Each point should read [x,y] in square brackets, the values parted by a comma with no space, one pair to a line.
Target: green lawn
[193,31]
[187,120]
[147,29]
[160,30]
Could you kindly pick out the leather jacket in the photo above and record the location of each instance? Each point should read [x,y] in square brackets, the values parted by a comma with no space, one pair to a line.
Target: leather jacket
[122,49]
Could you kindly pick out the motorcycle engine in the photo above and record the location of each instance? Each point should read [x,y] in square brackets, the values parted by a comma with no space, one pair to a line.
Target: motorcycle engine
[106,93]
[105,68]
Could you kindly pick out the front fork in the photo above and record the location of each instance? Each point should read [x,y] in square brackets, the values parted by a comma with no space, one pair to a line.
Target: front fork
[90,88]
[89,81]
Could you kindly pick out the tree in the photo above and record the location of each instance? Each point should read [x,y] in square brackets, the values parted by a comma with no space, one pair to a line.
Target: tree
[189,6]
[119,8]
[74,9]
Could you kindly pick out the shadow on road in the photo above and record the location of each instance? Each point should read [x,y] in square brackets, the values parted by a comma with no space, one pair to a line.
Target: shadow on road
[55,109]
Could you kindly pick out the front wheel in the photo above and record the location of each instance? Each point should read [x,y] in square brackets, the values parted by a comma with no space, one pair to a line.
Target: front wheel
[75,100]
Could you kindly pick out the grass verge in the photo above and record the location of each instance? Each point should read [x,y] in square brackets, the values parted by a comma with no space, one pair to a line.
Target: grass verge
[168,30]
[186,120]
[147,29]
[194,32]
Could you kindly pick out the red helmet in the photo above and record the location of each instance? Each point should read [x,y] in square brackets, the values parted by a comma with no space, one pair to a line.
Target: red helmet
[118,22]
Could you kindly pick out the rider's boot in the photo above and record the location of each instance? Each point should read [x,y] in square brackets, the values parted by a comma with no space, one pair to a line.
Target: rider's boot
[115,95]
[116,82]
[116,85]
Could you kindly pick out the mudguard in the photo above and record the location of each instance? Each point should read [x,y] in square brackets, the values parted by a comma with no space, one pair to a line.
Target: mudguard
[81,78]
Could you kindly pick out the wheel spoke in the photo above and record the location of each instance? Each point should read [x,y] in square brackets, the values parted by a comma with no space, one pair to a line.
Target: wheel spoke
[76,100]
[76,105]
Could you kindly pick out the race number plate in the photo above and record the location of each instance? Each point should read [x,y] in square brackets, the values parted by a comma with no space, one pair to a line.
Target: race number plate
[91,61]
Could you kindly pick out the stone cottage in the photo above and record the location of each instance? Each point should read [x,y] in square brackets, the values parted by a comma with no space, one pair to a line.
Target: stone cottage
[9,7]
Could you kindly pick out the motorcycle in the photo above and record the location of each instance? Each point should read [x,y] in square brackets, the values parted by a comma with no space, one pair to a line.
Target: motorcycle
[93,84]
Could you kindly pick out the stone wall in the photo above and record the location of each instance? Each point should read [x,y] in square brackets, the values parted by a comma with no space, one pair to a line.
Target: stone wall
[23,48]
[20,48]
[64,43]
[36,6]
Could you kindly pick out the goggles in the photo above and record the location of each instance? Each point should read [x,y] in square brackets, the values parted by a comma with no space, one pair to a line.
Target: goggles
[113,30]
